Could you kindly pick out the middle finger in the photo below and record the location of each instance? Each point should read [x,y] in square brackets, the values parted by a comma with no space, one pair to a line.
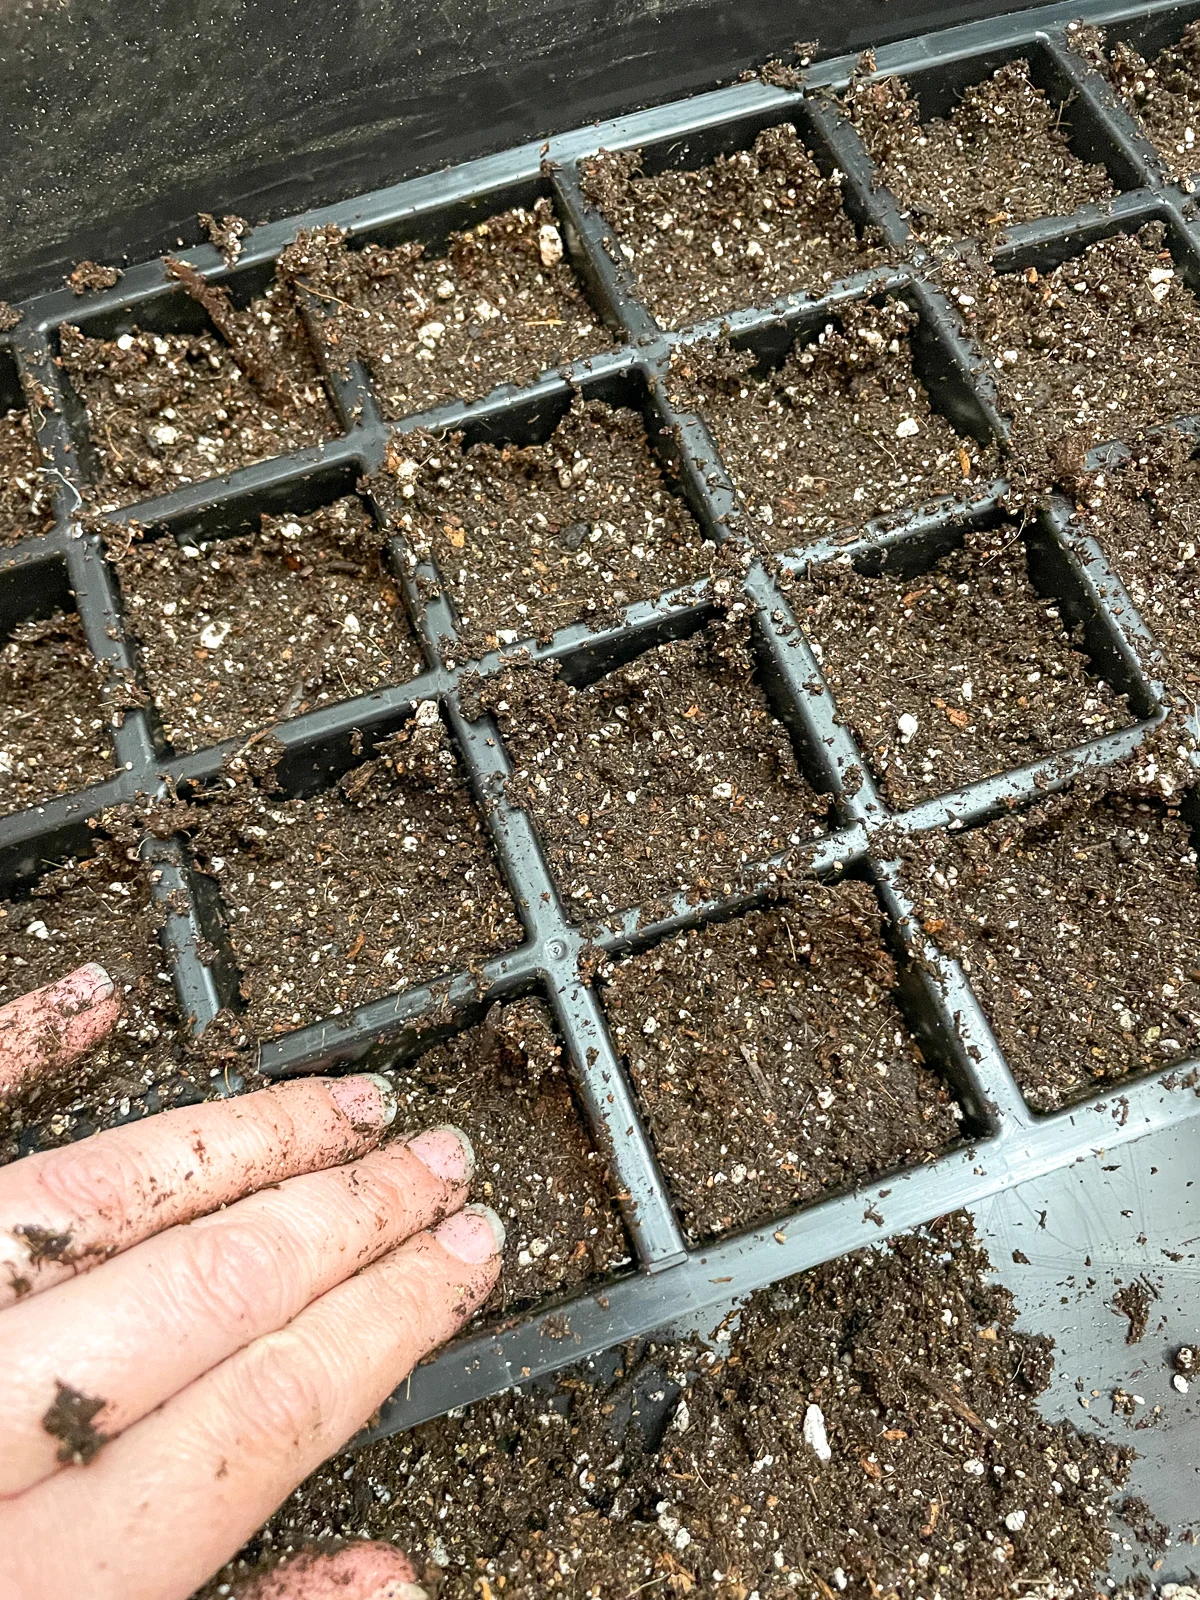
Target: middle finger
[140,1328]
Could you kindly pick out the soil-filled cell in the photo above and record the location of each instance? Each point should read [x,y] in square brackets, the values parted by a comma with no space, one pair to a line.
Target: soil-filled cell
[668,774]
[501,305]
[749,227]
[503,1082]
[55,734]
[530,539]
[1163,95]
[1079,929]
[26,493]
[237,633]
[841,432]
[164,409]
[954,673]
[773,1060]
[375,886]
[1000,158]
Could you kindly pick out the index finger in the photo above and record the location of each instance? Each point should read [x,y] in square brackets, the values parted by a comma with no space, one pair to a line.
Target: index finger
[63,1211]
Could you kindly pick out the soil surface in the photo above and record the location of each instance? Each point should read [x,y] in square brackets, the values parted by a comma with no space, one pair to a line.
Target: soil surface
[363,890]
[1078,925]
[842,432]
[669,774]
[500,306]
[237,633]
[772,1059]
[744,230]
[955,673]
[171,408]
[1103,346]
[530,539]
[26,494]
[1164,95]
[95,909]
[503,1082]
[1001,157]
[55,734]
[693,1471]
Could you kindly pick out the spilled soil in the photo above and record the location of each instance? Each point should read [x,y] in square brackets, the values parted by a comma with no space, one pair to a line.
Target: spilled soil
[236,633]
[954,673]
[529,539]
[669,774]
[772,1059]
[501,305]
[842,432]
[1163,95]
[55,733]
[1001,157]
[749,227]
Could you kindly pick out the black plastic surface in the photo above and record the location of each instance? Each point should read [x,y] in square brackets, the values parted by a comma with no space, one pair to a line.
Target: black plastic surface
[1009,1144]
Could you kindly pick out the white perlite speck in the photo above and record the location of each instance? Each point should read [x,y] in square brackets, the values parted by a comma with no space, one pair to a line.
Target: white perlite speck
[1014,1521]
[907,725]
[814,1434]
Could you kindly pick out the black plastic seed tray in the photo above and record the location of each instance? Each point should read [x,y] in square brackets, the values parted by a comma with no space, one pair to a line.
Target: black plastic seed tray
[1004,1142]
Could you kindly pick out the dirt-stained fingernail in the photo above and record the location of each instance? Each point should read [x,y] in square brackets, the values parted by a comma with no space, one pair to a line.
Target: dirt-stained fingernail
[447,1152]
[475,1234]
[367,1099]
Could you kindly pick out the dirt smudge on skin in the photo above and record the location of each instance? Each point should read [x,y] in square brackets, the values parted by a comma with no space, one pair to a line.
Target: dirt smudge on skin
[70,1419]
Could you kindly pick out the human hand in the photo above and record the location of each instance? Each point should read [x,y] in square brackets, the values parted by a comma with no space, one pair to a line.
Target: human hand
[198,1309]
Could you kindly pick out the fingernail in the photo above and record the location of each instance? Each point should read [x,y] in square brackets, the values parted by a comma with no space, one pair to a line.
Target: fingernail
[367,1099]
[93,975]
[447,1152]
[475,1234]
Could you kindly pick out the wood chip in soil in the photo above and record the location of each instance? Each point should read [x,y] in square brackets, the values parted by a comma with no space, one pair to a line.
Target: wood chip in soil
[1001,157]
[503,1082]
[742,231]
[529,539]
[840,433]
[93,909]
[951,674]
[26,494]
[55,736]
[669,774]
[501,305]
[236,633]
[165,409]
[1078,925]
[1162,95]
[772,1059]
[363,890]
[680,1469]
[1105,345]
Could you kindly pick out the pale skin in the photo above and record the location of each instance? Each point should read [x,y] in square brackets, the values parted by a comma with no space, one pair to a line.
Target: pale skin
[240,1284]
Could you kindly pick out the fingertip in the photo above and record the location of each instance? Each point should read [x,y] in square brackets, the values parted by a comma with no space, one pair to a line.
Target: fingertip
[370,1570]
[475,1235]
[367,1100]
[447,1152]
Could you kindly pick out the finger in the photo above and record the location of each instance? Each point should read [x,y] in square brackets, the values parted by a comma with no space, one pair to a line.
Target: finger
[64,1210]
[167,1311]
[371,1570]
[173,1498]
[52,1025]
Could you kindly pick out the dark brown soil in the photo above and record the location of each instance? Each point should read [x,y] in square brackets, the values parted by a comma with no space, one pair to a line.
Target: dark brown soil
[1164,95]
[772,1059]
[1103,346]
[669,774]
[70,1420]
[1145,516]
[531,539]
[943,1476]
[1001,157]
[55,735]
[361,891]
[96,909]
[501,306]
[171,408]
[840,433]
[748,228]
[26,494]
[1079,927]
[504,1084]
[954,674]
[238,633]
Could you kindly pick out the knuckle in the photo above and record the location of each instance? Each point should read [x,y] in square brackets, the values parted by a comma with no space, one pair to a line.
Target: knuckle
[237,1274]
[108,1188]
[284,1389]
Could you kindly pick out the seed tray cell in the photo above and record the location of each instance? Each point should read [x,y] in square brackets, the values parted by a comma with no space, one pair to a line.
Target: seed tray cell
[746,591]
[1152,70]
